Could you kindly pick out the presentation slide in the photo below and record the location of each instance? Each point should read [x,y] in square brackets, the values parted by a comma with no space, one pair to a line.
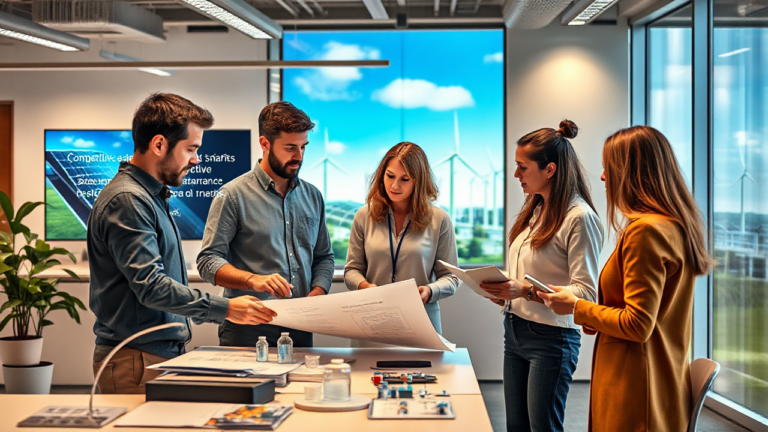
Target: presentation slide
[79,163]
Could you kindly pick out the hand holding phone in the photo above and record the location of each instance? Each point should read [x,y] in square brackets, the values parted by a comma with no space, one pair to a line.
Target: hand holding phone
[535,282]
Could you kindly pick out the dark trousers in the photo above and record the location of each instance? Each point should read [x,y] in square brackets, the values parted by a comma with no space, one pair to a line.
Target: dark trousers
[539,361]
[239,335]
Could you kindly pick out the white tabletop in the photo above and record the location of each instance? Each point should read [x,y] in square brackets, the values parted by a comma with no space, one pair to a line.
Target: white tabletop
[453,370]
[470,415]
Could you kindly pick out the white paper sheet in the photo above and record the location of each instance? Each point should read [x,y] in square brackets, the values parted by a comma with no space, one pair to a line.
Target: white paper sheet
[170,414]
[226,359]
[391,314]
[473,278]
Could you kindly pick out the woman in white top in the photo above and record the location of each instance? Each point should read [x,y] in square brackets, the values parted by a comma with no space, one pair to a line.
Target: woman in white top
[400,235]
[556,238]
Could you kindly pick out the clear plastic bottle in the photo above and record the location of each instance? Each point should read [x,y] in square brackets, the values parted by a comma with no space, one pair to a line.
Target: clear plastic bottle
[284,348]
[337,382]
[262,349]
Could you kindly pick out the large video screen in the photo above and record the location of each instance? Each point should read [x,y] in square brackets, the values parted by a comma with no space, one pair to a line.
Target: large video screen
[79,163]
[443,90]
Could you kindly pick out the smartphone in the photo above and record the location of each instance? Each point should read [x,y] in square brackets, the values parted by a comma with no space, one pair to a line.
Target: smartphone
[535,282]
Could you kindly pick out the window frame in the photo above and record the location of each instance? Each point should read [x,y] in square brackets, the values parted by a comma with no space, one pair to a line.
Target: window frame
[702,27]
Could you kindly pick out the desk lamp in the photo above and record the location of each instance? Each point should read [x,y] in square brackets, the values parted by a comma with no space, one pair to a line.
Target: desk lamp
[82,417]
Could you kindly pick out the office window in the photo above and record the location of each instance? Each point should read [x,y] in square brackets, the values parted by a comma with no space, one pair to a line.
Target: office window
[443,90]
[740,179]
[670,92]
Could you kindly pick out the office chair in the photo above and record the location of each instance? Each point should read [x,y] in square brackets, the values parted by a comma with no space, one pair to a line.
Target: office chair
[703,373]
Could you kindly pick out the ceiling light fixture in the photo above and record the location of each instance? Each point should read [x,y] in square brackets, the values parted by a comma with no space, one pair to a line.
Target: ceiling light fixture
[25,30]
[584,11]
[240,16]
[109,55]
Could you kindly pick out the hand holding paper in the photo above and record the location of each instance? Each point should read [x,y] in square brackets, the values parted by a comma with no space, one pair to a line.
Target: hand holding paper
[473,278]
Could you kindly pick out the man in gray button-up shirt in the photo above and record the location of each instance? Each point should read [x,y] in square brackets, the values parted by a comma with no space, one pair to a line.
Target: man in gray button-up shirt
[266,229]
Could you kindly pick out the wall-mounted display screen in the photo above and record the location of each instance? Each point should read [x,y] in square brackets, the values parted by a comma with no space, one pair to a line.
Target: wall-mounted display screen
[80,163]
[443,90]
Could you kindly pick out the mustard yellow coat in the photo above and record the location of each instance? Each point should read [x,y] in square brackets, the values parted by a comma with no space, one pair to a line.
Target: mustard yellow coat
[640,369]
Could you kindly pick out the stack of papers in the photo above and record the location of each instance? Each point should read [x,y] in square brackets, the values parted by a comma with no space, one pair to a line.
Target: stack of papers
[206,415]
[474,277]
[227,362]
[304,374]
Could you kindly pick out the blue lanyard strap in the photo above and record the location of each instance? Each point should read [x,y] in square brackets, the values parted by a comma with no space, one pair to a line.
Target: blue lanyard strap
[392,253]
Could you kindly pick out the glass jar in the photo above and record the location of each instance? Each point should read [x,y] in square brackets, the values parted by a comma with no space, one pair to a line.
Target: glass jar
[284,348]
[262,349]
[337,381]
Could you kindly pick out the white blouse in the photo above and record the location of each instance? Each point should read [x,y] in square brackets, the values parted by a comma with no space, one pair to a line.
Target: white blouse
[570,260]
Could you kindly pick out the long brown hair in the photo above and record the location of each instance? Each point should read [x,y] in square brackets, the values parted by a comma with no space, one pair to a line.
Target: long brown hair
[424,187]
[547,146]
[642,176]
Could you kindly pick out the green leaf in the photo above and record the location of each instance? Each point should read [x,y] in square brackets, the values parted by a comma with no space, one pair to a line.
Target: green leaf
[3,256]
[71,273]
[42,246]
[26,209]
[5,320]
[44,323]
[4,268]
[30,237]
[5,203]
[5,238]
[17,228]
[41,303]
[10,304]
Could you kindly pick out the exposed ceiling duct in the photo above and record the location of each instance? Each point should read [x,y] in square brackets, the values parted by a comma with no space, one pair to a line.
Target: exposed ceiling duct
[532,14]
[109,19]
[25,30]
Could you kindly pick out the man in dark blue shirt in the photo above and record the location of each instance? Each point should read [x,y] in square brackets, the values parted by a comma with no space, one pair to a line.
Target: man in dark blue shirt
[138,274]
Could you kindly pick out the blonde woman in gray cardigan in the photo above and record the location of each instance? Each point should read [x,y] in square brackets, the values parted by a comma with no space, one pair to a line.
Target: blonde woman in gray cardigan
[400,235]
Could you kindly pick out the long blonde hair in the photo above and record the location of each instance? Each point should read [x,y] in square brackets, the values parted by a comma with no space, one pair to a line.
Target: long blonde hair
[424,187]
[642,176]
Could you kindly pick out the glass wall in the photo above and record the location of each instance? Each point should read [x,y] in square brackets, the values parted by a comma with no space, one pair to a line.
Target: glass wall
[670,84]
[738,181]
[443,90]
[740,178]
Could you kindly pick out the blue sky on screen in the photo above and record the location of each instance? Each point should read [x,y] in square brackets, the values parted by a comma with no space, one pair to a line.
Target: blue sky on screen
[114,143]
[433,78]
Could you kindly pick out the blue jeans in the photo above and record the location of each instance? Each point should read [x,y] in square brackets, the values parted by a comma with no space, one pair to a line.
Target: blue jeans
[539,361]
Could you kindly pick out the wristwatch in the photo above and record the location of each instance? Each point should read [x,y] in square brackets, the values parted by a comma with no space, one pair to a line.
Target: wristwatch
[529,297]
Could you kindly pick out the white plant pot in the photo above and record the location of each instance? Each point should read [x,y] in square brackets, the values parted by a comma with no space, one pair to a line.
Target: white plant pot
[21,352]
[28,379]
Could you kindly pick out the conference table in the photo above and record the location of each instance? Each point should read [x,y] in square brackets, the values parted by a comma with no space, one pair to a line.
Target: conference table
[453,370]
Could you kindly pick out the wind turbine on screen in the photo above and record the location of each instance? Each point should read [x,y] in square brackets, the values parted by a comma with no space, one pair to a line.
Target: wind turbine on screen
[452,159]
[325,162]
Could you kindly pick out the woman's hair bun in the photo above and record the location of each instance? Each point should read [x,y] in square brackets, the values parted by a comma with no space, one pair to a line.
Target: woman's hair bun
[568,129]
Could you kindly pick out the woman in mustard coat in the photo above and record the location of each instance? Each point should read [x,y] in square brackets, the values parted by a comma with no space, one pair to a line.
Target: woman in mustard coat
[640,369]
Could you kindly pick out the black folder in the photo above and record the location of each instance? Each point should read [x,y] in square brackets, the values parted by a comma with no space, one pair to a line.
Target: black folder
[203,391]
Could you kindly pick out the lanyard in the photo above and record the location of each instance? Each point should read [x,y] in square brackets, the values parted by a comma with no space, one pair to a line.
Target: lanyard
[392,253]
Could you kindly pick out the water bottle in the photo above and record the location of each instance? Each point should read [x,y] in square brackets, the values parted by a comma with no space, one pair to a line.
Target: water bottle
[262,349]
[337,381]
[284,348]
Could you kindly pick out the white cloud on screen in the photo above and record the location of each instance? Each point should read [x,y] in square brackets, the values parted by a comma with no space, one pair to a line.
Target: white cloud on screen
[335,148]
[328,83]
[117,145]
[67,140]
[494,58]
[81,143]
[417,93]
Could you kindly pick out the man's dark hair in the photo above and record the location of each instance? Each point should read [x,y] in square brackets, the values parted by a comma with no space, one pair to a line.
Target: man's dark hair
[168,115]
[282,117]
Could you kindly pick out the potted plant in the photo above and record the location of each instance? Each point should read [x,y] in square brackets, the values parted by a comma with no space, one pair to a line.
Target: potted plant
[30,298]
